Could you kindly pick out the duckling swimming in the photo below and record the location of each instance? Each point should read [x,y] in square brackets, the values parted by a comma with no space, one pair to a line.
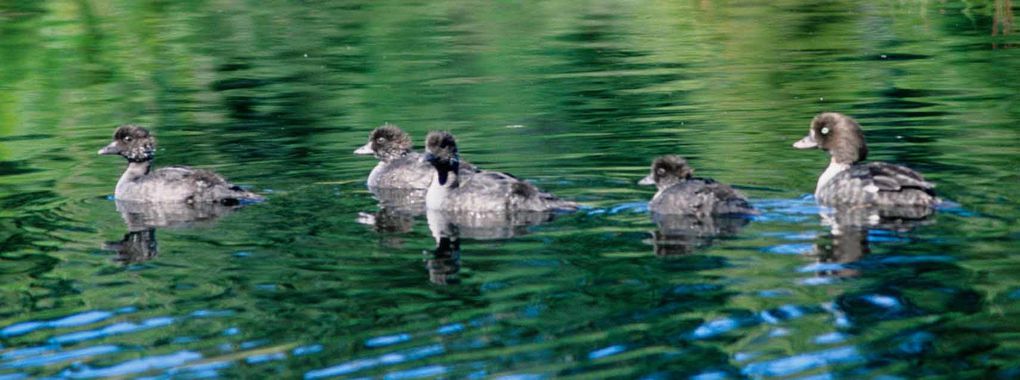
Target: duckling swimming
[849,182]
[399,166]
[140,183]
[455,190]
[681,193]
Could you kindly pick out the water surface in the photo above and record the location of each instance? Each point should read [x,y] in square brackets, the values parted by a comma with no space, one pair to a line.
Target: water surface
[576,97]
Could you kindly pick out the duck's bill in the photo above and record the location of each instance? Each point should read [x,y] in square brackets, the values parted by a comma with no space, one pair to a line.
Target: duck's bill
[647,181]
[110,149]
[427,157]
[365,149]
[807,142]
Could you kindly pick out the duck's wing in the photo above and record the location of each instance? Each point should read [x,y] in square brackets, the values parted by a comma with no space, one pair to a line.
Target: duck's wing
[202,185]
[171,173]
[890,177]
[879,184]
[725,199]
[701,196]
[483,191]
[506,192]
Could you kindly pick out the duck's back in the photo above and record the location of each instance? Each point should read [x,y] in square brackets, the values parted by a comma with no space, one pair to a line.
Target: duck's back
[182,184]
[405,172]
[700,196]
[486,191]
[878,184]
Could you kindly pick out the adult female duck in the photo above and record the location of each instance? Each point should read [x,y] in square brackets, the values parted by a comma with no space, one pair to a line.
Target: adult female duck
[848,182]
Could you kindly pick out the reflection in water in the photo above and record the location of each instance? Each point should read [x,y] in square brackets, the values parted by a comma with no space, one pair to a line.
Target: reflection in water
[139,216]
[484,225]
[1002,21]
[445,261]
[397,209]
[847,241]
[683,234]
[139,243]
[135,247]
[448,228]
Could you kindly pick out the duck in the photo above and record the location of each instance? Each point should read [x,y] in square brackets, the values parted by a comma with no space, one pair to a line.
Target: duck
[680,193]
[849,182]
[140,183]
[399,167]
[455,190]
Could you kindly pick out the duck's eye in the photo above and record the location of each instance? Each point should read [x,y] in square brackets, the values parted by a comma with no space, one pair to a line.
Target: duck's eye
[380,140]
[127,138]
[825,130]
[660,171]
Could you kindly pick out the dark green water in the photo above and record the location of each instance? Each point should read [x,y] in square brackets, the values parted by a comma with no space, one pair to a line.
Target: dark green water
[577,97]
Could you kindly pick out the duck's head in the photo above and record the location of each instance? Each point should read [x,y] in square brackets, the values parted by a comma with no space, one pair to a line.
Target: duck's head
[386,143]
[667,171]
[441,152]
[131,142]
[837,134]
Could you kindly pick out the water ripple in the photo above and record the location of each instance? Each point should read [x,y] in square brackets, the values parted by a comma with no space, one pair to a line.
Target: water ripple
[802,362]
[74,320]
[385,359]
[134,366]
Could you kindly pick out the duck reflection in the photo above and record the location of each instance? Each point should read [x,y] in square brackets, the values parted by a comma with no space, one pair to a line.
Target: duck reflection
[135,247]
[397,210]
[142,219]
[849,228]
[448,228]
[678,235]
[444,262]
[484,225]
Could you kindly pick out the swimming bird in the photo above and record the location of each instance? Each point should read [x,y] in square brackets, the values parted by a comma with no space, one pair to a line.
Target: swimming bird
[679,192]
[455,190]
[140,183]
[852,183]
[399,167]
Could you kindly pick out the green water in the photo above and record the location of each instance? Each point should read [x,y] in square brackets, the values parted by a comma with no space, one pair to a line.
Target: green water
[577,97]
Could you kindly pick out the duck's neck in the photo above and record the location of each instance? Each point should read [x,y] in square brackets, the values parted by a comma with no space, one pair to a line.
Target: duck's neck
[134,171]
[439,189]
[833,169]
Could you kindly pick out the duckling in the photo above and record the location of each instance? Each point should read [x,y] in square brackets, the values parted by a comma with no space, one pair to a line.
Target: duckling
[140,183]
[681,193]
[399,167]
[455,190]
[849,182]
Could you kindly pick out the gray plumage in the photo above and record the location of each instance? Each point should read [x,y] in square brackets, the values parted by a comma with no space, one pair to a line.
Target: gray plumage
[877,184]
[140,183]
[399,167]
[453,189]
[681,193]
[848,182]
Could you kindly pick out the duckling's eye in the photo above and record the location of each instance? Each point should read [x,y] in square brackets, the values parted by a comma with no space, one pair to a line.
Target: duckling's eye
[660,171]
[380,140]
[825,130]
[127,138]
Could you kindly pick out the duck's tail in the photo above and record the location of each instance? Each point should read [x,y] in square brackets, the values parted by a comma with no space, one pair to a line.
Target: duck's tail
[239,196]
[556,204]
